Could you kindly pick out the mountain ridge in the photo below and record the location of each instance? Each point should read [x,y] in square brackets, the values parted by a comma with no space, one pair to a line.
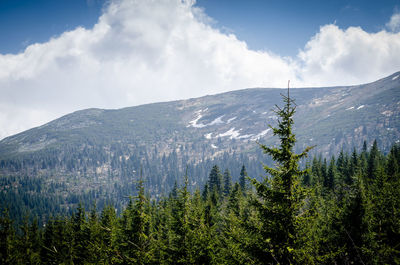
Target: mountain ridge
[101,151]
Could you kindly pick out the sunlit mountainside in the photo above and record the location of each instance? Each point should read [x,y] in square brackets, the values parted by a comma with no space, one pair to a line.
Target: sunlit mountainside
[98,153]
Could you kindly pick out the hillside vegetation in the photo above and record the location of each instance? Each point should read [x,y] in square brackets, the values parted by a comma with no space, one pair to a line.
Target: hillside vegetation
[96,155]
[343,210]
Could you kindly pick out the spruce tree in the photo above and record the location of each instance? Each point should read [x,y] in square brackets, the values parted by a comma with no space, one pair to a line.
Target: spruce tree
[215,180]
[279,196]
[373,163]
[330,175]
[80,240]
[242,179]
[108,221]
[139,229]
[227,182]
[92,232]
[354,164]
[6,238]
[392,166]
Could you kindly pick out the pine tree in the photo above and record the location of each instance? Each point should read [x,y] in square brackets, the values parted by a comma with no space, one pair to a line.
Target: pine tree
[364,148]
[233,238]
[383,210]
[215,180]
[6,238]
[107,234]
[330,176]
[180,226]
[201,243]
[134,238]
[227,182]
[242,179]
[280,198]
[27,244]
[392,166]
[35,241]
[93,235]
[342,165]
[354,164]
[373,162]
[233,200]
[58,242]
[141,227]
[80,242]
[205,193]
[324,172]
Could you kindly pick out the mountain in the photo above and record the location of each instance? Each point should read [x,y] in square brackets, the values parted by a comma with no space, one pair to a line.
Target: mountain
[98,154]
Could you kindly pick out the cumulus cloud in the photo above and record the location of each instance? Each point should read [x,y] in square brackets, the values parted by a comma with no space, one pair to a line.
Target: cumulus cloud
[352,56]
[394,23]
[143,51]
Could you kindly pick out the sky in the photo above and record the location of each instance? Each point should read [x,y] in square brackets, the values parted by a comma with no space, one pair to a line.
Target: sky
[60,56]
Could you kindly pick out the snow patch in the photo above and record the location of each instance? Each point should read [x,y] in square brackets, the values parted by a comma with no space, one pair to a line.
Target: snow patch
[360,107]
[261,134]
[394,78]
[245,136]
[208,135]
[231,119]
[216,121]
[350,108]
[214,146]
[387,113]
[235,134]
[232,133]
[194,124]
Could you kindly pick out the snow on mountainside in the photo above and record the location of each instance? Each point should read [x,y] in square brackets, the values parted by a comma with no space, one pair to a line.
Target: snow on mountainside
[98,144]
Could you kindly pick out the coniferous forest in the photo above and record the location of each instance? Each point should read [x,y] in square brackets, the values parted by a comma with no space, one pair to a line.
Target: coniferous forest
[341,210]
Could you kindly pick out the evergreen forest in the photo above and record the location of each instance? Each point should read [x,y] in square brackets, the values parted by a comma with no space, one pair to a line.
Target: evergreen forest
[339,210]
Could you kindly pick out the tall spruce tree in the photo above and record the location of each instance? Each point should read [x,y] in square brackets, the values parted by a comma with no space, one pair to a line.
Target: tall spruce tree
[140,227]
[6,238]
[329,181]
[279,195]
[373,162]
[80,240]
[242,179]
[227,182]
[108,221]
[215,180]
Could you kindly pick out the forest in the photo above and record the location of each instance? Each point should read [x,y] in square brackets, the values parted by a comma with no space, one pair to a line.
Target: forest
[341,210]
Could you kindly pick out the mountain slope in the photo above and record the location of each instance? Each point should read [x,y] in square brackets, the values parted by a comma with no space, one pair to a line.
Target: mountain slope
[99,151]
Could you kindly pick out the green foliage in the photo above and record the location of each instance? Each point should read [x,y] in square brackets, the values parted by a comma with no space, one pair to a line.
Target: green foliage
[215,180]
[325,222]
[242,179]
[280,197]
[227,182]
[343,211]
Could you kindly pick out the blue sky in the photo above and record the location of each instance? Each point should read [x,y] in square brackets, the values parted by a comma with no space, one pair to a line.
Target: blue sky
[59,56]
[23,22]
[280,26]
[284,26]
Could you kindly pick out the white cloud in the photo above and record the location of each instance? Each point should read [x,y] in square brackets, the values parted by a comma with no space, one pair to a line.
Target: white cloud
[144,51]
[352,56]
[394,23]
